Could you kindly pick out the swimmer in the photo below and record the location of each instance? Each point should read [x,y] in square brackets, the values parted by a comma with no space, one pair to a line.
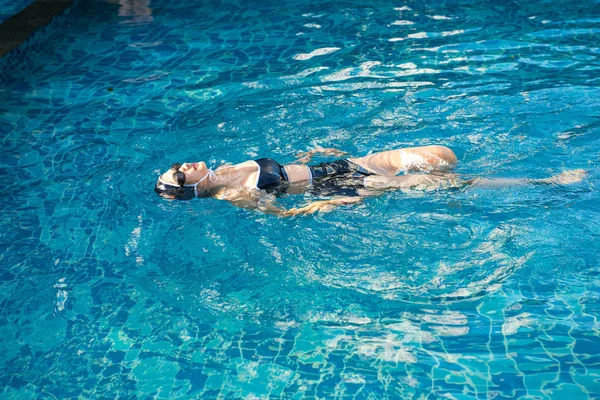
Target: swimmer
[254,184]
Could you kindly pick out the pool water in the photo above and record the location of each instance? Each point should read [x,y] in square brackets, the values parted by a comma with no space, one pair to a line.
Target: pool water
[110,291]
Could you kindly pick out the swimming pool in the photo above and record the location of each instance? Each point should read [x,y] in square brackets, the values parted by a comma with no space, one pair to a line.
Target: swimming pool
[110,291]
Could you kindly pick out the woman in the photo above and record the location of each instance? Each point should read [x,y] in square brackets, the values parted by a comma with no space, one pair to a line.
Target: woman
[249,183]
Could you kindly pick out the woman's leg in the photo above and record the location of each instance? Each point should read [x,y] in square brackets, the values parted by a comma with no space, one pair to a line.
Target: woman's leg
[389,163]
[428,182]
[564,178]
[423,182]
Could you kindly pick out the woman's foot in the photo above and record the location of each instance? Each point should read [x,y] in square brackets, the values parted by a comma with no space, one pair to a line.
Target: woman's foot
[566,177]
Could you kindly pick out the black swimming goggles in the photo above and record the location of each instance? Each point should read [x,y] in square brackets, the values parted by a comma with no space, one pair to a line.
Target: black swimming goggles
[178,176]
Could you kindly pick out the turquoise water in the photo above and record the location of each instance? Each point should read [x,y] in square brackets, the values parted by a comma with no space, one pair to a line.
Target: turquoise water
[109,291]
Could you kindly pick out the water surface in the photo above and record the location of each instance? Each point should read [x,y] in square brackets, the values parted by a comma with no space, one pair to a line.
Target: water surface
[110,291]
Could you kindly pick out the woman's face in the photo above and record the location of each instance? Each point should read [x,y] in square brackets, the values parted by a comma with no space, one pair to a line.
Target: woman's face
[193,173]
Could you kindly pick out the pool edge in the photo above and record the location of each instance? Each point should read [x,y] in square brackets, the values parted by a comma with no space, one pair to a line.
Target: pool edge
[15,30]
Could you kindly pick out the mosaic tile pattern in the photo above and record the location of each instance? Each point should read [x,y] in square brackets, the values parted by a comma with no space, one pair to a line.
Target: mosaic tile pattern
[109,291]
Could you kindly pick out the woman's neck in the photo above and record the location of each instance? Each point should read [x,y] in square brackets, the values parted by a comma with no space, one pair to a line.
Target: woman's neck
[223,177]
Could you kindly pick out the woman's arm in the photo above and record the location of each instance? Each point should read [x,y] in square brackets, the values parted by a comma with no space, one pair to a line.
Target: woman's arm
[321,206]
[252,200]
[305,156]
[259,201]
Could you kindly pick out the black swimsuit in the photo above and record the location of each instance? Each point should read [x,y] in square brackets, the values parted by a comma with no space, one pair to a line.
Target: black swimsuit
[272,176]
[337,168]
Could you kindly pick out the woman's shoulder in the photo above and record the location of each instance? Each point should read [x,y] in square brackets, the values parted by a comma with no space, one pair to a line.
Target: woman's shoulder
[243,166]
[247,164]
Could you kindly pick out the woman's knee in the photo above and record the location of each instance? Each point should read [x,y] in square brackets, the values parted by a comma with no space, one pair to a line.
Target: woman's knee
[444,153]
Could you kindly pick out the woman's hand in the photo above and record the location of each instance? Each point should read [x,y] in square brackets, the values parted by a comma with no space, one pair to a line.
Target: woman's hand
[305,156]
[566,177]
